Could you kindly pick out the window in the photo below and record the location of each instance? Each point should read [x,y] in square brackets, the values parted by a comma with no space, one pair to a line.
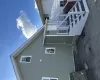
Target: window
[49,78]
[61,3]
[25,59]
[50,51]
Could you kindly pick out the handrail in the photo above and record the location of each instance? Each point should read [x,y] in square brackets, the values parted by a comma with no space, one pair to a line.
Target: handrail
[45,28]
[68,14]
[73,13]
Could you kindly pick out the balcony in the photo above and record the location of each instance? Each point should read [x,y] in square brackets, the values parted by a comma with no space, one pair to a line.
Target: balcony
[66,22]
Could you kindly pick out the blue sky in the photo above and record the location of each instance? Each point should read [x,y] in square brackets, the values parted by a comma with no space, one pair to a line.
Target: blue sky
[10,36]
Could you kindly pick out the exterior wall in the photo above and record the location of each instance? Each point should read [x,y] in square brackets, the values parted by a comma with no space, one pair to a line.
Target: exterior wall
[56,9]
[47,7]
[59,40]
[57,65]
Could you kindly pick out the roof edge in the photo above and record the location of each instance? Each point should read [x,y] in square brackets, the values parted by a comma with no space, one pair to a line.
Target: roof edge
[27,42]
[15,67]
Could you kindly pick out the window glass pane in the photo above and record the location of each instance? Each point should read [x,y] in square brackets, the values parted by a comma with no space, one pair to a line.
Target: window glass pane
[28,59]
[50,50]
[23,59]
[61,3]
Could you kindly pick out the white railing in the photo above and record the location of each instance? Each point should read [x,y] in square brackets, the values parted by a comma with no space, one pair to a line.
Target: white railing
[72,18]
[58,14]
[57,10]
[72,23]
[71,14]
[68,14]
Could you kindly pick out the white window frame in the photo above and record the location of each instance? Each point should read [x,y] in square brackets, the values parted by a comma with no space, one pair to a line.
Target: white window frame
[49,78]
[24,61]
[50,48]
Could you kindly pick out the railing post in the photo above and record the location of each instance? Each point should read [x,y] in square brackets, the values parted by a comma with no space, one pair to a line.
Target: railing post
[45,29]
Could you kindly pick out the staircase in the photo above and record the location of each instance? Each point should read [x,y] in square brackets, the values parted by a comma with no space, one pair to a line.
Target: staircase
[68,21]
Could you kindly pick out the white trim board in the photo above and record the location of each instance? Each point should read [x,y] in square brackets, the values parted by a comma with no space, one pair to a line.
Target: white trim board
[49,78]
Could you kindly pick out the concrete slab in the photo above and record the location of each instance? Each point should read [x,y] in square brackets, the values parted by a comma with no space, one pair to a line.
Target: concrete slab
[89,45]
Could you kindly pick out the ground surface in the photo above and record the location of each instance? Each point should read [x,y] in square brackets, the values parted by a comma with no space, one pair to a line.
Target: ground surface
[89,45]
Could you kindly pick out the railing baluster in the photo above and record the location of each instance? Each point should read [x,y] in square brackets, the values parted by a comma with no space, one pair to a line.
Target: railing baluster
[80,9]
[73,19]
[73,16]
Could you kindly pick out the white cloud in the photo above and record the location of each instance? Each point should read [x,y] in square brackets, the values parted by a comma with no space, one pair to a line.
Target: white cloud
[35,6]
[23,23]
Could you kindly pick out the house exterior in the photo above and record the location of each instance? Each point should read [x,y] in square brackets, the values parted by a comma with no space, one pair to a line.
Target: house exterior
[48,54]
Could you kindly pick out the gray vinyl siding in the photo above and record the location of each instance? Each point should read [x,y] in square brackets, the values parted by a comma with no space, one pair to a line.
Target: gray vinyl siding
[57,65]
[59,39]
